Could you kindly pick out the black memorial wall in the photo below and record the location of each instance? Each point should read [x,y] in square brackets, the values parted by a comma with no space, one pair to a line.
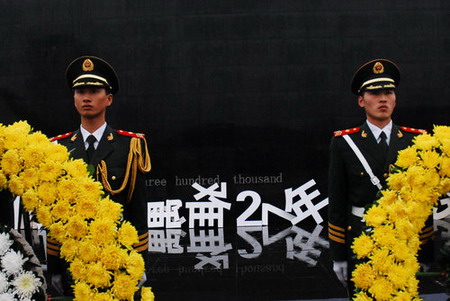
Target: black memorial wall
[242,92]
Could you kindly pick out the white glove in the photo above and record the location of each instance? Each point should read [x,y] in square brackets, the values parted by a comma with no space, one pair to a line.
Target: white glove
[57,283]
[340,268]
[142,281]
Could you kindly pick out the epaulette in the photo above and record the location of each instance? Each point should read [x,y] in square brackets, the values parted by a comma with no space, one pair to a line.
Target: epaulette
[345,132]
[61,136]
[413,130]
[130,134]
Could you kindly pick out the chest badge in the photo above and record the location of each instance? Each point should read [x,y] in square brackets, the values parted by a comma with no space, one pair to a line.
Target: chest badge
[364,134]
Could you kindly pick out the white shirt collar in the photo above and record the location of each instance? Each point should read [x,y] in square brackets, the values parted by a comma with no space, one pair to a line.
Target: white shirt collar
[97,134]
[376,131]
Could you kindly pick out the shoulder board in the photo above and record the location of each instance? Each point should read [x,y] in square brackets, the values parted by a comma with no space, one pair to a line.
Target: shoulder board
[130,134]
[413,130]
[346,132]
[61,136]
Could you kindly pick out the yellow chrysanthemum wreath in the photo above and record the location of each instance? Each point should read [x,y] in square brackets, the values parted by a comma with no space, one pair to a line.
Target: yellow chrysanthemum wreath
[391,244]
[71,205]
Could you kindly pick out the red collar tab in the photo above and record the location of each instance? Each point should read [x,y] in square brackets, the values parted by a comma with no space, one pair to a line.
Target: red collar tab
[413,130]
[130,134]
[346,132]
[59,137]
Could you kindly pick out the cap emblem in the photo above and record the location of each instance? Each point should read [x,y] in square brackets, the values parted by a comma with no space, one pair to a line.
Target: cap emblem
[88,65]
[378,68]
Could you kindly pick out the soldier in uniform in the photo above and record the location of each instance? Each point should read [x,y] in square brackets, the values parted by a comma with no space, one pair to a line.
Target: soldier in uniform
[351,186]
[119,158]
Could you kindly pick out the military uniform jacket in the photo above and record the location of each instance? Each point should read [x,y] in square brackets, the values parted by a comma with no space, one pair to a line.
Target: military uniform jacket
[113,149]
[349,183]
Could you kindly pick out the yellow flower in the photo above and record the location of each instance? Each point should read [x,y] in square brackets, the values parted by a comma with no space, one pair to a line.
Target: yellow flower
[11,163]
[44,216]
[78,270]
[400,251]
[103,231]
[32,156]
[398,276]
[113,257]
[444,186]
[109,209]
[62,211]
[69,250]
[88,251]
[75,168]
[97,275]
[57,153]
[407,157]
[30,200]
[361,296]
[441,132]
[413,286]
[15,135]
[57,231]
[15,185]
[124,286]
[82,291]
[430,159]
[86,208]
[381,260]
[405,229]
[76,226]
[375,216]
[396,180]
[3,180]
[147,294]
[403,296]
[50,171]
[384,236]
[67,189]
[46,192]
[425,142]
[135,265]
[363,245]
[363,276]
[29,178]
[103,297]
[389,197]
[127,235]
[382,289]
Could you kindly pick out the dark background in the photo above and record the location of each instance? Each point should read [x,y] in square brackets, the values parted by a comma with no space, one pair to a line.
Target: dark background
[225,88]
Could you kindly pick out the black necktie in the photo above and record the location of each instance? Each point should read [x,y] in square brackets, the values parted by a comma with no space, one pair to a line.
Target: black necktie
[383,144]
[91,149]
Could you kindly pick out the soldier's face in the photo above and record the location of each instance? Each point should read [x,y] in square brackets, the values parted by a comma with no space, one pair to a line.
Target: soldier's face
[91,102]
[378,104]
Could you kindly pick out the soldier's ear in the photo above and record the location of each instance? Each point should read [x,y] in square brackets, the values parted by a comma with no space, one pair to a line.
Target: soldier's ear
[361,101]
[110,99]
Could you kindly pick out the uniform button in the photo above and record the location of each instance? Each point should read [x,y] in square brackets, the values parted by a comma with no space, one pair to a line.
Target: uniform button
[385,175]
[362,173]
[113,177]
[349,228]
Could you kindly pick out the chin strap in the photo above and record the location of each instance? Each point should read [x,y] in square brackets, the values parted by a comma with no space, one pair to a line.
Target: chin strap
[138,159]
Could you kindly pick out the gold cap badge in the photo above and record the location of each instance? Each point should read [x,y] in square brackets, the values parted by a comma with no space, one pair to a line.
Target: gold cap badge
[88,65]
[378,68]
